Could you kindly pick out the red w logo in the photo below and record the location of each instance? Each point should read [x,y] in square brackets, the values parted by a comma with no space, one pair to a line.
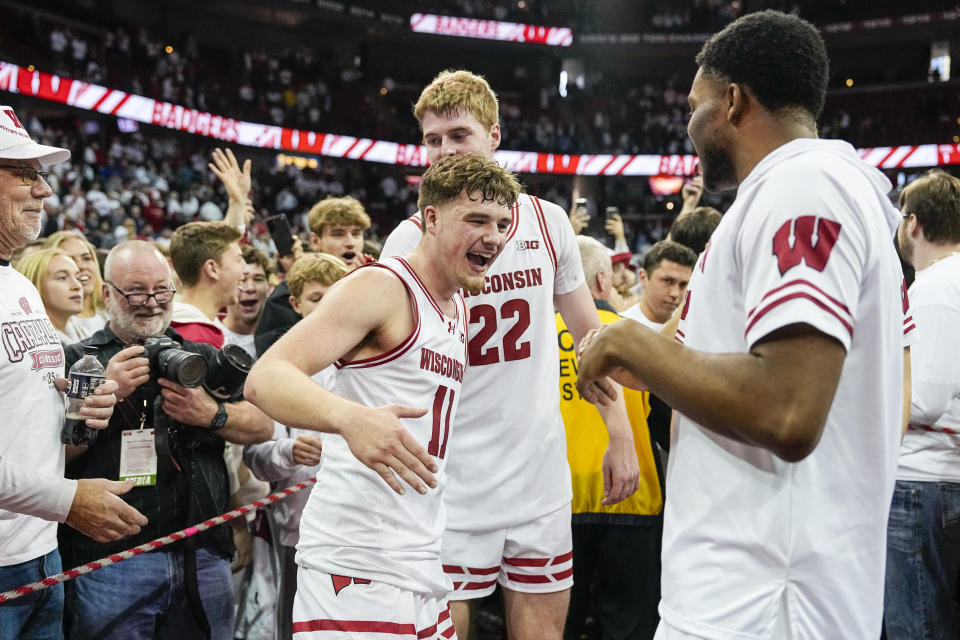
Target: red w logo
[813,240]
[341,582]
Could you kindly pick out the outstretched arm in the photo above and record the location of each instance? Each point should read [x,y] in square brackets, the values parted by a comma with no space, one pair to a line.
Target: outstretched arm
[280,383]
[777,396]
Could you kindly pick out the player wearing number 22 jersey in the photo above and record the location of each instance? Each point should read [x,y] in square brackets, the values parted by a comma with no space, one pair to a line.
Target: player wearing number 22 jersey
[514,474]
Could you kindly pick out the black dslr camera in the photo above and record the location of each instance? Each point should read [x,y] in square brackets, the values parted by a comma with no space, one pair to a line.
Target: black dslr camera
[168,360]
[223,379]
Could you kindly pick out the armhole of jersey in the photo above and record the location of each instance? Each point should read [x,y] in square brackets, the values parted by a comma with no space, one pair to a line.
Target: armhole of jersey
[400,349]
[544,231]
[415,219]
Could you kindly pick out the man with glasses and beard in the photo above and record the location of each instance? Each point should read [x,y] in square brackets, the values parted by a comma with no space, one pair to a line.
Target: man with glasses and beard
[179,590]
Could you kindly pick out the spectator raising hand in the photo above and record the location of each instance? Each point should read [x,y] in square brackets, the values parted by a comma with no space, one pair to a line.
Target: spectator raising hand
[237,182]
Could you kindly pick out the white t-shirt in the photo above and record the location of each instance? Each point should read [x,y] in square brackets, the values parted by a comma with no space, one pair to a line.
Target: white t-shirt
[925,455]
[508,461]
[634,312]
[753,546]
[354,524]
[243,340]
[31,415]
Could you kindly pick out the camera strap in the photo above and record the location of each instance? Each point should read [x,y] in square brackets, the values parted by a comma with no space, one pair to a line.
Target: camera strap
[190,583]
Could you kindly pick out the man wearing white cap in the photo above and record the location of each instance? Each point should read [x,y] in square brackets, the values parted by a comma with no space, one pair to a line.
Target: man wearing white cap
[34,495]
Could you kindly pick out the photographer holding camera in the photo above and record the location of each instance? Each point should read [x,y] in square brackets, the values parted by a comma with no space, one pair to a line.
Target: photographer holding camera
[168,434]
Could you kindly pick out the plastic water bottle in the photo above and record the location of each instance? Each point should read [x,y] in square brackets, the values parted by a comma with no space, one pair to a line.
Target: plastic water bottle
[85,375]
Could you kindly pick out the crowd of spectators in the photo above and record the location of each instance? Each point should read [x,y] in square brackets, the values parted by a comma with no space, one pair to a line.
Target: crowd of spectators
[324,87]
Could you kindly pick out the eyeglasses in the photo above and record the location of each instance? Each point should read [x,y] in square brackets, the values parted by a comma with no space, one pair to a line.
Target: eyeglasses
[28,175]
[139,299]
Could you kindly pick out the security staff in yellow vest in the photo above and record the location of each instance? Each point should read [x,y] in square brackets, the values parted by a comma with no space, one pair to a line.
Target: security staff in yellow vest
[616,548]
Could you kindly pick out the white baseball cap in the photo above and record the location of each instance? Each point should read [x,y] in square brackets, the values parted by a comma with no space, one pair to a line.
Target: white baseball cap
[15,142]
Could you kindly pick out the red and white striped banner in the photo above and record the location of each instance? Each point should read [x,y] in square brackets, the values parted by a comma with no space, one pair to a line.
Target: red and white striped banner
[70,574]
[490,30]
[91,97]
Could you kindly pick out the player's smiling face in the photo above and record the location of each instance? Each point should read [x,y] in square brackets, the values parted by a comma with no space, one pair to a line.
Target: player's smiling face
[470,234]
[453,133]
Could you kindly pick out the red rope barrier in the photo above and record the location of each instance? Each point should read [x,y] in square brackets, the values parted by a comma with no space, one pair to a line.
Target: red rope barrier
[70,574]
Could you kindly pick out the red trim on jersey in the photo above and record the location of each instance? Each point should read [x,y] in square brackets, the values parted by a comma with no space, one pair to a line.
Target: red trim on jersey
[542,221]
[415,219]
[122,102]
[514,221]
[519,577]
[800,294]
[474,586]
[359,626]
[527,562]
[400,349]
[563,575]
[475,571]
[423,287]
[909,329]
[800,282]
[564,558]
[429,631]
[465,316]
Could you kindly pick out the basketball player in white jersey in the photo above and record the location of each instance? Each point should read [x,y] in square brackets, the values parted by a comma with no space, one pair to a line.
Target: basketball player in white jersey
[788,387]
[508,501]
[369,551]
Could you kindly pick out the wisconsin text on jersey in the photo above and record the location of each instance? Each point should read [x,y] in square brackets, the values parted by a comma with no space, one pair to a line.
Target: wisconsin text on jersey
[508,281]
[438,363]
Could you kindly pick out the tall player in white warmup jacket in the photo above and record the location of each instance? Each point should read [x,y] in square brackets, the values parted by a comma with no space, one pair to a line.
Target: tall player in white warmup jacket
[509,496]
[789,389]
[369,551]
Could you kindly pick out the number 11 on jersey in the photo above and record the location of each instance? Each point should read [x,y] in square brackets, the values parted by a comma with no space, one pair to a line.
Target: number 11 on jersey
[438,440]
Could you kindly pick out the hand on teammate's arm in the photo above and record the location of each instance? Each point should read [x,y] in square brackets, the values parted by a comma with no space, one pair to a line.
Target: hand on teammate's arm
[777,396]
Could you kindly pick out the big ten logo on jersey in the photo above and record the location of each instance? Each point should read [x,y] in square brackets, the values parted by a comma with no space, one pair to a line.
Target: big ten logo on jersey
[809,239]
[524,245]
[568,366]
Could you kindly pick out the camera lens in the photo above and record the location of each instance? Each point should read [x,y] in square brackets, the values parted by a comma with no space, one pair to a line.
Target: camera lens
[183,367]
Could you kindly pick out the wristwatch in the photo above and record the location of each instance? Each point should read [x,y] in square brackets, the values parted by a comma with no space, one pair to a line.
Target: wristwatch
[220,419]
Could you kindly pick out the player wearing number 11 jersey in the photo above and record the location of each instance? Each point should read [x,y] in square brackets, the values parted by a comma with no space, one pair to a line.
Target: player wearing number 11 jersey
[508,502]
[368,556]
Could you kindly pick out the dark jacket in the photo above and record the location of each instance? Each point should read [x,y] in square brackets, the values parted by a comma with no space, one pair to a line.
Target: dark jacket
[174,502]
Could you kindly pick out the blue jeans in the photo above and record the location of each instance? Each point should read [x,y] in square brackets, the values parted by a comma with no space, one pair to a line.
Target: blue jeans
[38,616]
[923,562]
[144,597]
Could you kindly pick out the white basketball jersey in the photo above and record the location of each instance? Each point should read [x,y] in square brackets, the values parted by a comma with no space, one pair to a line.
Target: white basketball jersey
[508,463]
[354,524]
[754,546]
